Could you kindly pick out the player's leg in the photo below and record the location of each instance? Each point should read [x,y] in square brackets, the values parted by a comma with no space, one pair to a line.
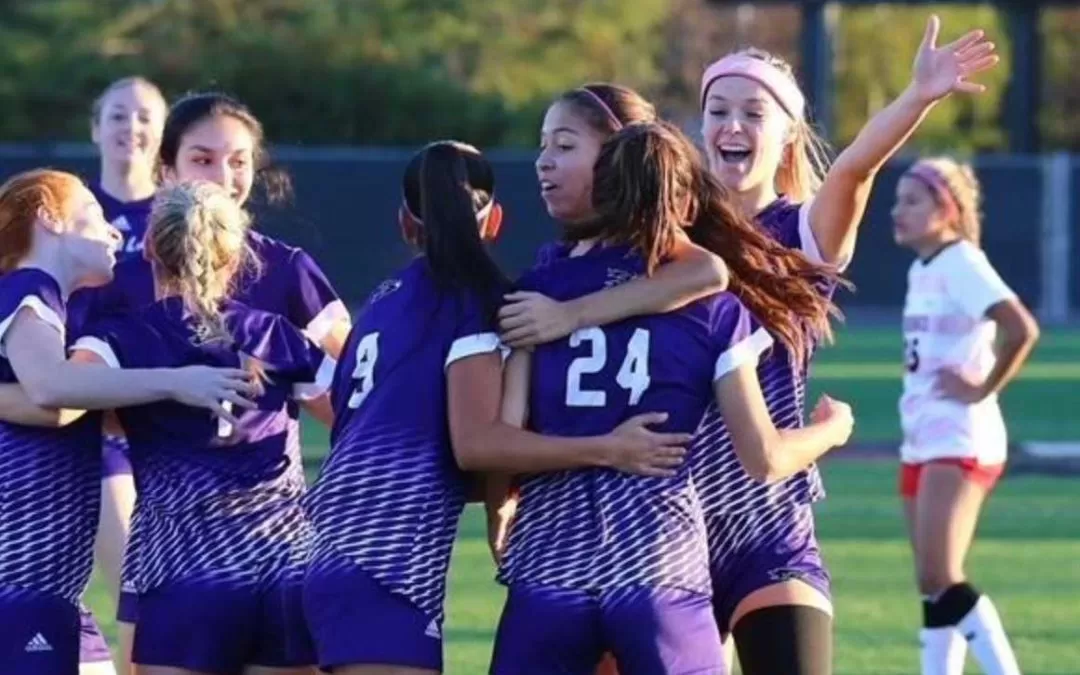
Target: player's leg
[125,644]
[942,648]
[114,524]
[948,503]
[662,630]
[94,655]
[547,630]
[358,625]
[117,504]
[782,617]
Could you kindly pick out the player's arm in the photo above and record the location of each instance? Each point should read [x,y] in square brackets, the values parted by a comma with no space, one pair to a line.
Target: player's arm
[35,350]
[979,290]
[839,205]
[531,318]
[316,306]
[1018,331]
[482,441]
[320,408]
[769,454]
[17,408]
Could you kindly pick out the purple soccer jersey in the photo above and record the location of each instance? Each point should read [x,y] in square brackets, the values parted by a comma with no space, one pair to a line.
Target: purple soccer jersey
[290,284]
[129,218]
[390,493]
[49,505]
[216,504]
[602,529]
[722,482]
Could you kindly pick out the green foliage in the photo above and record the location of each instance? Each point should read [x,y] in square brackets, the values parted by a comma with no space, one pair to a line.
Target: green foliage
[874,54]
[405,71]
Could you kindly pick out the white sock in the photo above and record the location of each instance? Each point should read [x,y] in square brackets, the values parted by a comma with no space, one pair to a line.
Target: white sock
[989,643]
[943,651]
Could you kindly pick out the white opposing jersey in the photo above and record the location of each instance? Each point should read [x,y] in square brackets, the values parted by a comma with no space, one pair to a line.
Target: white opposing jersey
[946,327]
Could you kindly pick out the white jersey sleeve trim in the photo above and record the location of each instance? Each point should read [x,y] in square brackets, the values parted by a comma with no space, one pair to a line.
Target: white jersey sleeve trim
[99,347]
[324,376]
[471,345]
[43,311]
[319,327]
[809,242]
[743,352]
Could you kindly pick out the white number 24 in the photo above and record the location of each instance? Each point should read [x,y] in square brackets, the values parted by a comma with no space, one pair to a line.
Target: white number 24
[633,374]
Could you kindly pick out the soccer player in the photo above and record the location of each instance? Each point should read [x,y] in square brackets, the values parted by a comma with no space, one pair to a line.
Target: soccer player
[599,561]
[212,137]
[771,586]
[417,402]
[956,309]
[54,240]
[125,124]
[218,537]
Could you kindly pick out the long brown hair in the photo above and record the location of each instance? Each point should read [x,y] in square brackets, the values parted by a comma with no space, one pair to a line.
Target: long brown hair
[649,183]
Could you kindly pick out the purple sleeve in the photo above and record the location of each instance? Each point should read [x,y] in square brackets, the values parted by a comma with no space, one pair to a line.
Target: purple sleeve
[737,336]
[313,303]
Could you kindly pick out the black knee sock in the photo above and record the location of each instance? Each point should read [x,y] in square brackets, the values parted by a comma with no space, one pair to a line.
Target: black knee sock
[785,640]
[950,606]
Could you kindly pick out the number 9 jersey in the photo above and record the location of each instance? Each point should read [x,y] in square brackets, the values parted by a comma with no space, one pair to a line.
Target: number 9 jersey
[946,327]
[599,529]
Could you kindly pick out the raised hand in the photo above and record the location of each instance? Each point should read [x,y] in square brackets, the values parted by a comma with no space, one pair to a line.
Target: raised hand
[940,71]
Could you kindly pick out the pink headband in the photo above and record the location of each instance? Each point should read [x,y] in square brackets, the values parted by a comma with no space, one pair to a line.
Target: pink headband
[604,106]
[932,178]
[780,85]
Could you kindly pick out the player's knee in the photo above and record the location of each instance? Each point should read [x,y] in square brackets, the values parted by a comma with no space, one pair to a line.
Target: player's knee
[950,606]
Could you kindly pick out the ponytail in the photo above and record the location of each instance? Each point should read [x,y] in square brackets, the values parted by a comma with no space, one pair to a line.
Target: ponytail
[448,188]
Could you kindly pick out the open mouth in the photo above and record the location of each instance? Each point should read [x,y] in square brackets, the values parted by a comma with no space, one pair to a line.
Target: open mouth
[547,186]
[734,155]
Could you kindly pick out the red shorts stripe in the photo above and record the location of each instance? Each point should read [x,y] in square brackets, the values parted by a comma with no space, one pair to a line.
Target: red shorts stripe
[985,475]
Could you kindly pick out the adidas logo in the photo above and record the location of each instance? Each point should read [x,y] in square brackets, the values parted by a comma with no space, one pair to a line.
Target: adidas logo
[432,630]
[128,587]
[38,643]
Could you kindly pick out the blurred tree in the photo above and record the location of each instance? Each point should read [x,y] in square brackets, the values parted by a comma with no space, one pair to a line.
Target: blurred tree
[405,71]
[1060,113]
[874,53]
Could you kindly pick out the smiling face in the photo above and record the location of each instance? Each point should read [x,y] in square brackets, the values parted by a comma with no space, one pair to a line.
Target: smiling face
[219,149]
[129,122]
[568,151]
[745,131]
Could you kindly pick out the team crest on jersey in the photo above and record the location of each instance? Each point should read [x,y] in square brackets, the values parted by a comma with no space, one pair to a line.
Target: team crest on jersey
[617,277]
[785,574]
[384,289]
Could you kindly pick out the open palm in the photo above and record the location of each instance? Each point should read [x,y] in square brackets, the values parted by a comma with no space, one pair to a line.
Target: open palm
[940,71]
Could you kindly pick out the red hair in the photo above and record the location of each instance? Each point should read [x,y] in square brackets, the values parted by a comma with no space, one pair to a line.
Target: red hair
[23,199]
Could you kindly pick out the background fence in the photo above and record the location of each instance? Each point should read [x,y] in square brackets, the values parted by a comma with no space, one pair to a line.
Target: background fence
[344,213]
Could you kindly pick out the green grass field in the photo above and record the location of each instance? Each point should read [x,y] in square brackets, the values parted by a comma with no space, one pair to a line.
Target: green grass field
[1025,556]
